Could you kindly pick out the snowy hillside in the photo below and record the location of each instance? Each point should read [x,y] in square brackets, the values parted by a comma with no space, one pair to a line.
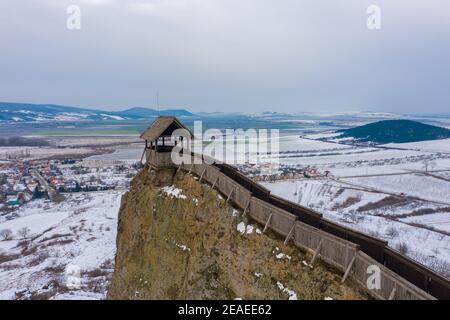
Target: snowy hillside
[372,213]
[399,192]
[68,251]
[28,112]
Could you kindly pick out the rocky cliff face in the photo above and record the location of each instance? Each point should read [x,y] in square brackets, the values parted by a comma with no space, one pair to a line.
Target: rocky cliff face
[177,239]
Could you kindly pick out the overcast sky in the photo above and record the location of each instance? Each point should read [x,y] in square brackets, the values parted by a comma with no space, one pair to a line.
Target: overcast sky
[228,55]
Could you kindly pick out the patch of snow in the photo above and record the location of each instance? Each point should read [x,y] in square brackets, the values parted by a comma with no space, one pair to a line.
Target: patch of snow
[183,247]
[111,116]
[174,192]
[283,256]
[307,264]
[241,227]
[291,293]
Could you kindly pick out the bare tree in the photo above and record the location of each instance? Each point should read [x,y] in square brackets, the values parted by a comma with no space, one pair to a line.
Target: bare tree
[24,232]
[391,232]
[403,248]
[428,164]
[6,234]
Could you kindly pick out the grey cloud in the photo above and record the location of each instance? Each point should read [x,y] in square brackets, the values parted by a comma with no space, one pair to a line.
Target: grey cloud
[235,55]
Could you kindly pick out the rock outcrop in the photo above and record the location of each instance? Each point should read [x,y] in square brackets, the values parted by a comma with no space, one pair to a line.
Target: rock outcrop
[177,239]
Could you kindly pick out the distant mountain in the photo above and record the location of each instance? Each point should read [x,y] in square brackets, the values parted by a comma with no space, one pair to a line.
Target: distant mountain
[395,131]
[27,112]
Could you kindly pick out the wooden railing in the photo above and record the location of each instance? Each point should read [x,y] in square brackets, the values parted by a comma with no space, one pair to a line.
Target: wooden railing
[350,251]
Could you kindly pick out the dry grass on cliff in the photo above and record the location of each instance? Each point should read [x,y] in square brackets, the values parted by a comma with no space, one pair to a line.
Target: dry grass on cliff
[175,248]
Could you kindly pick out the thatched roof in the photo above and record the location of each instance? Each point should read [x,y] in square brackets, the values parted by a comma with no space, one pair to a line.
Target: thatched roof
[163,127]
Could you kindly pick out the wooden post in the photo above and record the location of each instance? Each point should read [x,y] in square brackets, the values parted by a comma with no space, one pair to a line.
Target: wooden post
[231,192]
[201,176]
[214,184]
[394,290]
[248,205]
[316,253]
[143,152]
[348,268]
[268,222]
[190,169]
[288,237]
[179,167]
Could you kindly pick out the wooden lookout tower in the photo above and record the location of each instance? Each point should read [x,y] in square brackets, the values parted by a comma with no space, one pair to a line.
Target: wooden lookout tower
[159,142]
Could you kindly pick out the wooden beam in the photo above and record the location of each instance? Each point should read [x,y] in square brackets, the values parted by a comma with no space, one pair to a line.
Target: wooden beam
[349,267]
[214,184]
[190,169]
[248,205]
[229,196]
[394,290]
[268,222]
[316,253]
[201,176]
[288,237]
[143,152]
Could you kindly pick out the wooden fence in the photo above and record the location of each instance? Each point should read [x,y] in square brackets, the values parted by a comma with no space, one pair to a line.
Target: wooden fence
[355,254]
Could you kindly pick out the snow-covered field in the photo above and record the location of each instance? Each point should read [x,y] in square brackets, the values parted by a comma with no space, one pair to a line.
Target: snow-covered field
[433,145]
[68,252]
[431,189]
[439,221]
[372,213]
[383,192]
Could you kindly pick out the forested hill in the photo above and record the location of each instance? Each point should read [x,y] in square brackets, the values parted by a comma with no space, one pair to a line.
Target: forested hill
[395,131]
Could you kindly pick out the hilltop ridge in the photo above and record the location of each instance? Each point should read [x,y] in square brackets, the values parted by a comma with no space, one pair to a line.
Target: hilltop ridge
[179,240]
[29,112]
[395,131]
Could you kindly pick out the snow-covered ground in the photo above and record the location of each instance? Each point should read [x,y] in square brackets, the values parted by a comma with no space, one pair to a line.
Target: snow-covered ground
[433,145]
[439,221]
[431,189]
[383,192]
[68,252]
[372,213]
